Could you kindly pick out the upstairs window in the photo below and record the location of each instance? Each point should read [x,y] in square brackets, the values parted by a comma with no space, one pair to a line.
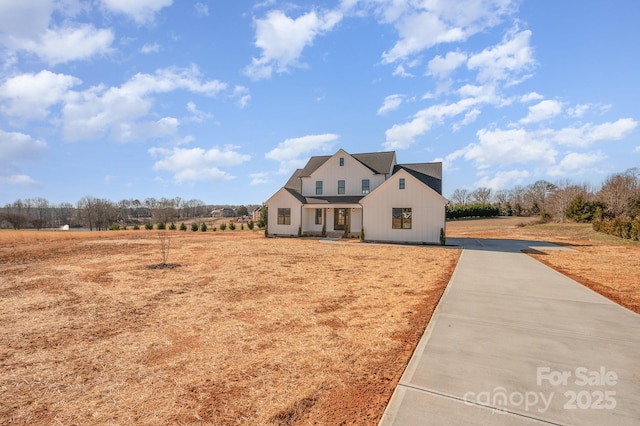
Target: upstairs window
[341,161]
[365,186]
[284,216]
[340,187]
[401,218]
[318,187]
[401,183]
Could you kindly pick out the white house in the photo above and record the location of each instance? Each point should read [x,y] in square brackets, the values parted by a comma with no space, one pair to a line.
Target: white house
[390,201]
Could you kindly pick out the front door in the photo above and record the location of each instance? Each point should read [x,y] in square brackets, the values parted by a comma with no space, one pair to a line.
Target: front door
[340,219]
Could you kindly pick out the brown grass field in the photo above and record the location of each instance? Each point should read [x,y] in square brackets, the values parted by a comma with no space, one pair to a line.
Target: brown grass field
[606,264]
[247,330]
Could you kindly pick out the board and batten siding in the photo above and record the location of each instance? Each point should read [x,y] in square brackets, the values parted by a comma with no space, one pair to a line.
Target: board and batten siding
[331,172]
[427,210]
[283,199]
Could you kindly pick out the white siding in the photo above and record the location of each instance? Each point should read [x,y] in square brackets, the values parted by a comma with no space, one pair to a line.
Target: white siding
[427,208]
[283,199]
[331,172]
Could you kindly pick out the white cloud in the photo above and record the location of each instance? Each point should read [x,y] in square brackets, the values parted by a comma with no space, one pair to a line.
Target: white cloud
[637,149]
[503,179]
[293,153]
[282,40]
[575,162]
[422,25]
[19,180]
[202,9]
[530,97]
[242,96]
[579,110]
[19,147]
[400,71]
[141,11]
[30,96]
[197,115]
[391,103]
[542,111]
[259,178]
[196,164]
[441,67]
[590,133]
[150,48]
[501,147]
[505,61]
[119,112]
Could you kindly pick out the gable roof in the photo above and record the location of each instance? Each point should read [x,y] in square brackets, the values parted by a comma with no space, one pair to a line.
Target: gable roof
[428,173]
[294,181]
[377,162]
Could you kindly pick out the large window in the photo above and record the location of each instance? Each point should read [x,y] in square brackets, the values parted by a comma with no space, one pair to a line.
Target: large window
[284,216]
[318,216]
[340,187]
[401,183]
[318,187]
[365,186]
[401,218]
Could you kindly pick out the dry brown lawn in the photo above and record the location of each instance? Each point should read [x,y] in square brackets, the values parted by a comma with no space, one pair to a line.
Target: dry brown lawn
[606,264]
[247,330]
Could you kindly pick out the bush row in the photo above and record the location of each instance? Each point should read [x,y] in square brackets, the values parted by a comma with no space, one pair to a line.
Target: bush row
[472,210]
[183,227]
[621,226]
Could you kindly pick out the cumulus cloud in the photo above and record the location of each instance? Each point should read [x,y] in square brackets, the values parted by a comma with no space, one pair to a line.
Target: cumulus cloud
[196,164]
[282,40]
[542,111]
[441,67]
[16,149]
[422,25]
[119,112]
[505,61]
[516,146]
[150,48]
[30,96]
[241,95]
[503,179]
[531,97]
[590,133]
[293,153]
[259,178]
[391,103]
[25,26]
[19,180]
[575,162]
[141,11]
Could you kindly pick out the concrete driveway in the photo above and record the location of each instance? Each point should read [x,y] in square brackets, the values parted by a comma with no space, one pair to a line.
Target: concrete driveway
[515,342]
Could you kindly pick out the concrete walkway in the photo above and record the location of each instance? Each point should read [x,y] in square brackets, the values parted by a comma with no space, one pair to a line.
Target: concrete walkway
[514,342]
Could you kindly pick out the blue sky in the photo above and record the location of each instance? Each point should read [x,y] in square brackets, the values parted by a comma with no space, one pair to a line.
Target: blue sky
[222,100]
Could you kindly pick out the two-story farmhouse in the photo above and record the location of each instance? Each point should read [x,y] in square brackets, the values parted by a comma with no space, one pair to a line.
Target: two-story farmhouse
[352,192]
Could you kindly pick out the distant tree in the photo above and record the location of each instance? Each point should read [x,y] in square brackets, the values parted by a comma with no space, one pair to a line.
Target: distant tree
[460,197]
[617,190]
[242,211]
[481,195]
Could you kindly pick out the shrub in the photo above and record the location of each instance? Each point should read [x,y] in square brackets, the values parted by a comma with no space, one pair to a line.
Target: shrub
[214,229]
[635,229]
[172,226]
[443,237]
[194,227]
[361,234]
[183,226]
[114,227]
[223,226]
[136,227]
[148,225]
[471,210]
[299,231]
[232,226]
[242,226]
[161,226]
[203,227]
[250,225]
[266,231]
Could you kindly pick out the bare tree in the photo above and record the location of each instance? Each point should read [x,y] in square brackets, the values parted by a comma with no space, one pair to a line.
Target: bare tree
[618,190]
[460,197]
[481,195]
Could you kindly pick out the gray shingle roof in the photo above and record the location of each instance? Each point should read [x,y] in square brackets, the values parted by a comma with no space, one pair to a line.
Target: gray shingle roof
[377,162]
[428,173]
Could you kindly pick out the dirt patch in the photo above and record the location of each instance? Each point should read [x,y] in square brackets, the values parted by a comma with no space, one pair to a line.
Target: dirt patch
[247,330]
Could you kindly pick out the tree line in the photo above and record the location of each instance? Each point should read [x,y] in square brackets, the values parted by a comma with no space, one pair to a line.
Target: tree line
[615,204]
[99,213]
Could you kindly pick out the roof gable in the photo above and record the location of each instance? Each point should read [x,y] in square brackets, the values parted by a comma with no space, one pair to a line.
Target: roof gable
[428,173]
[377,162]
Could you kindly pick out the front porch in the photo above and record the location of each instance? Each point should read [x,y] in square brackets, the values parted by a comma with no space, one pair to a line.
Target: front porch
[332,220]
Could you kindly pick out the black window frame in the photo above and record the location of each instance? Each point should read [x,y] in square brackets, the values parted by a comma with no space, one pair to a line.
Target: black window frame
[284,216]
[399,219]
[366,188]
[401,183]
[342,187]
[318,187]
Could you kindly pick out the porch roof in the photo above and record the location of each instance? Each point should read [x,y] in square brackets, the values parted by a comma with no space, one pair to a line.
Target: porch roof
[335,200]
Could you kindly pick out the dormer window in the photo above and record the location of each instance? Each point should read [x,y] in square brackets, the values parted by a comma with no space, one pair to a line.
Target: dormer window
[341,161]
